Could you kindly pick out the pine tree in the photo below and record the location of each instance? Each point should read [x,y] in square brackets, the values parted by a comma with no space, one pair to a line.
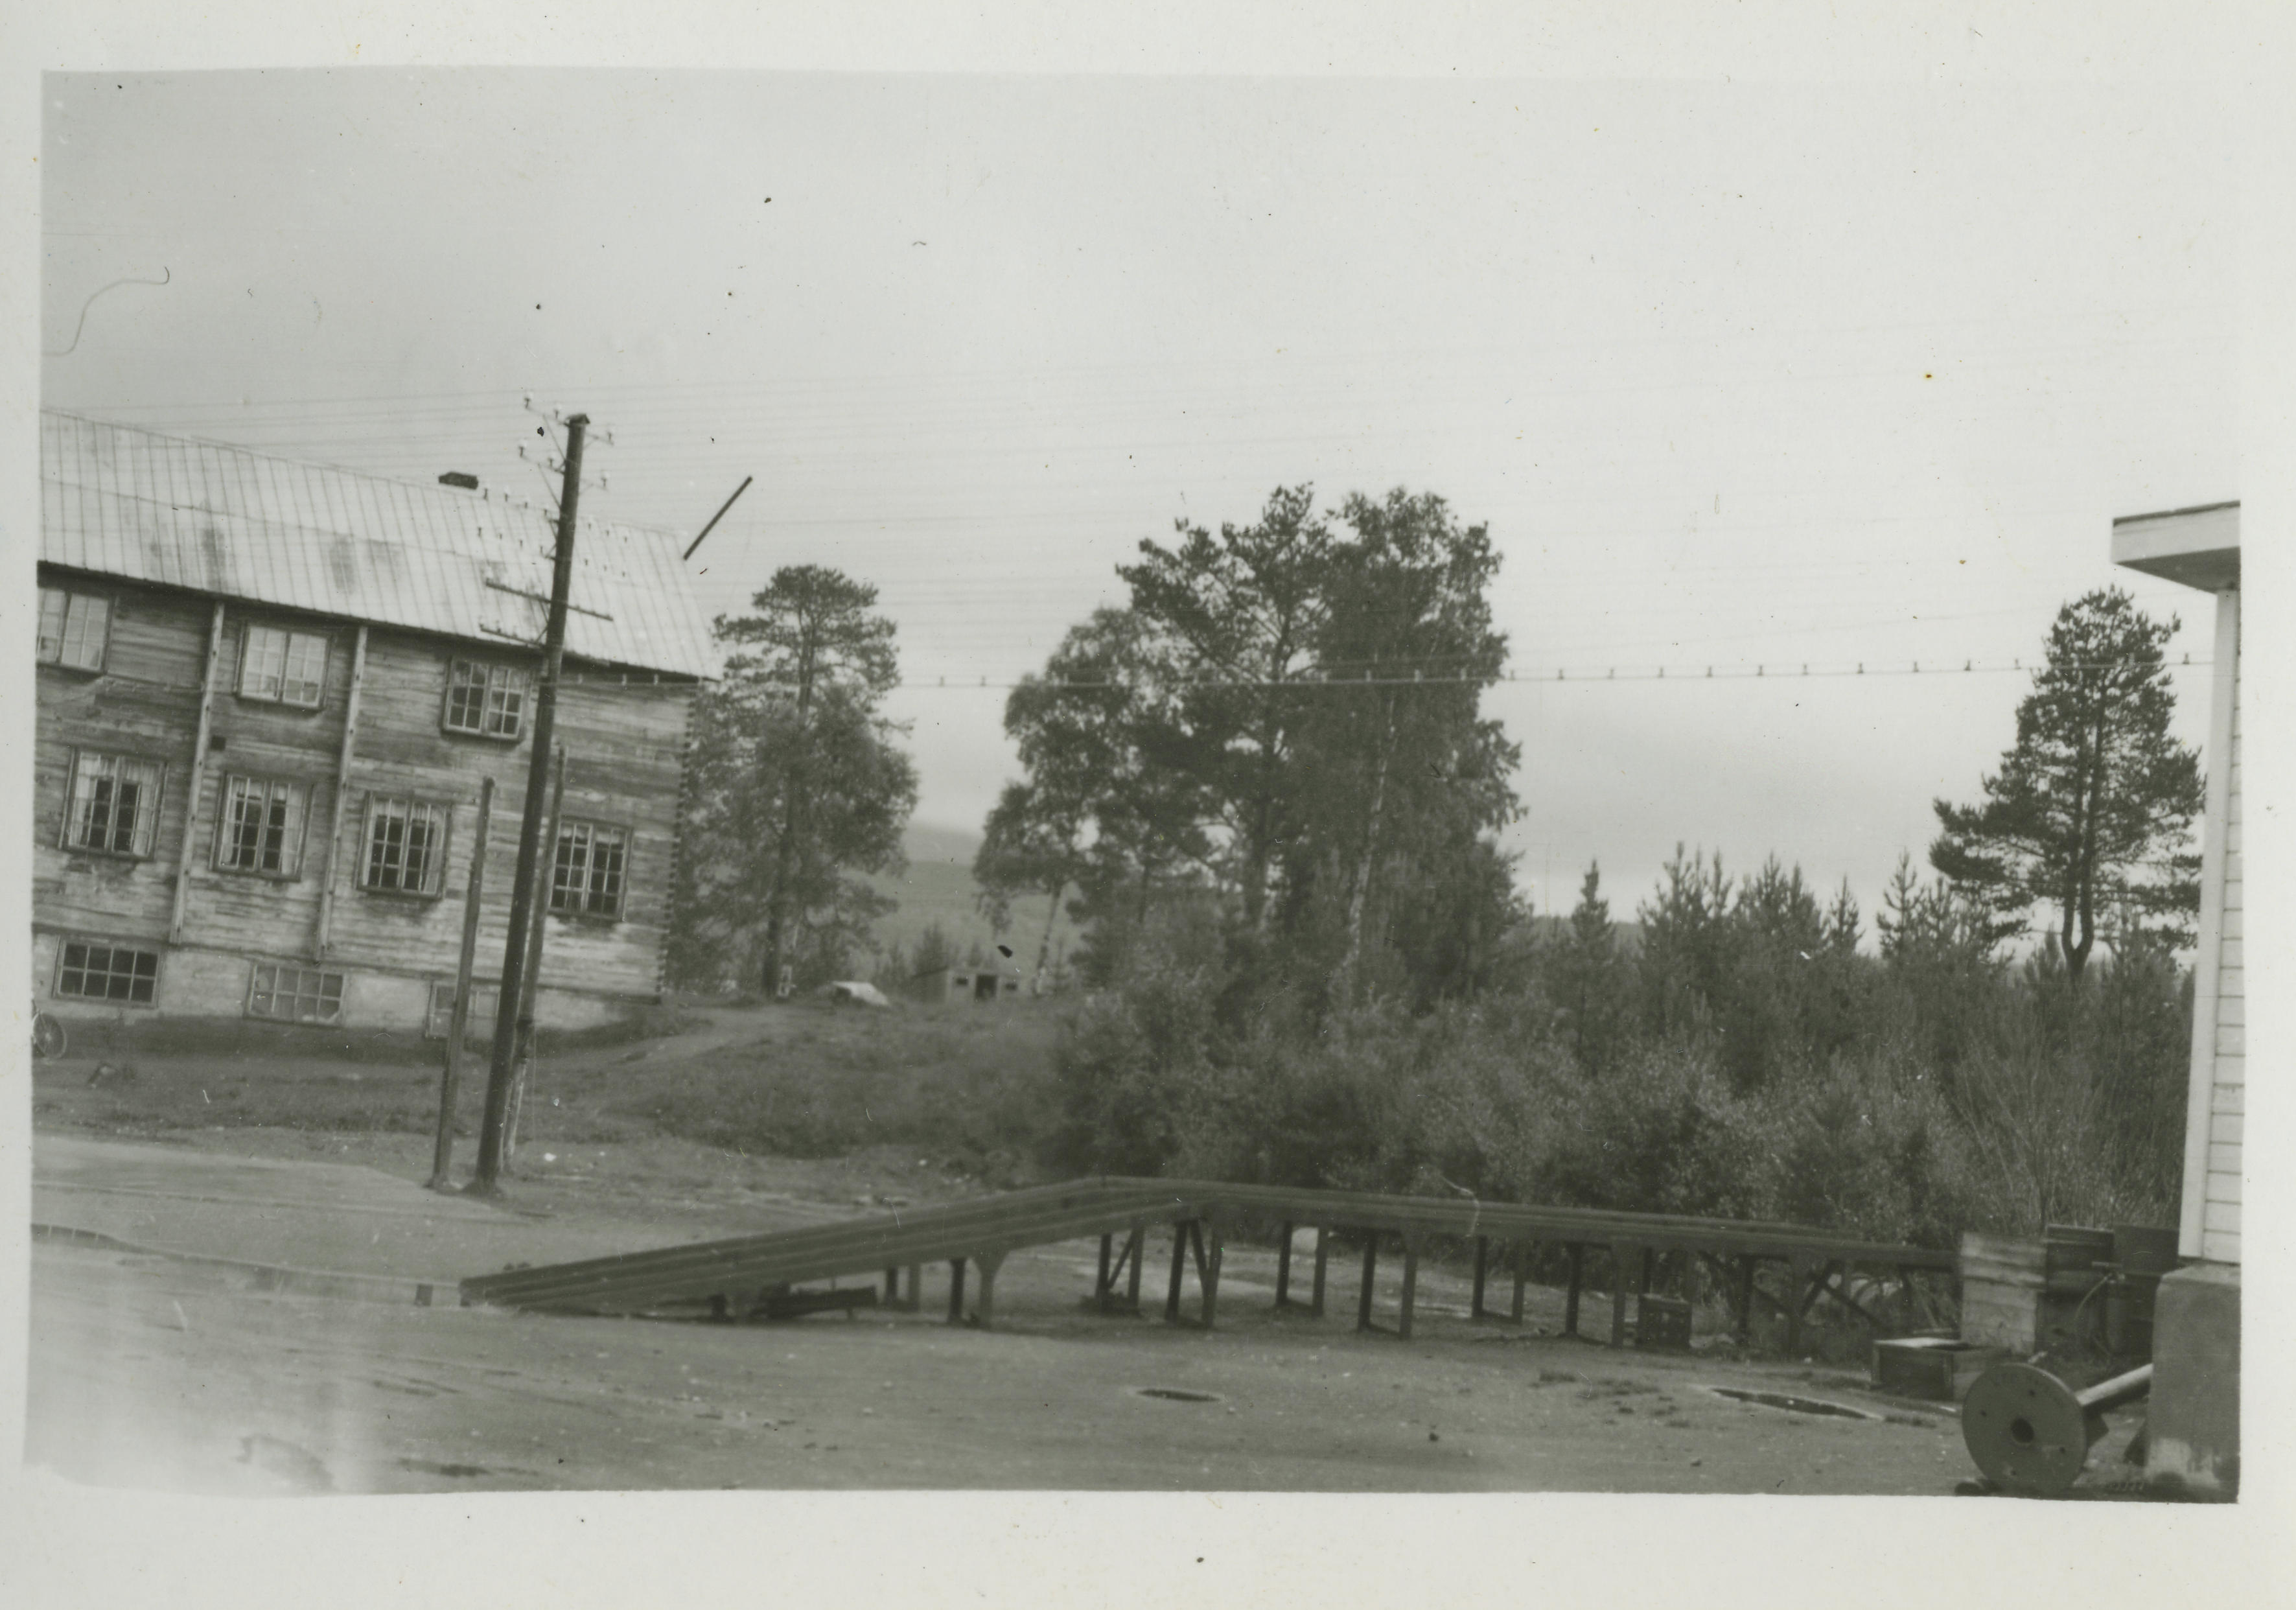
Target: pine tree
[2092,809]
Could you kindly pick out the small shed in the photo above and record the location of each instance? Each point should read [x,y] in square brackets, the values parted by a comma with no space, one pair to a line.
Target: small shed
[982,984]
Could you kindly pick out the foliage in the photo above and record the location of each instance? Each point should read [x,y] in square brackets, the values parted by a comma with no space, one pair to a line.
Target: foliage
[2092,808]
[1282,722]
[797,787]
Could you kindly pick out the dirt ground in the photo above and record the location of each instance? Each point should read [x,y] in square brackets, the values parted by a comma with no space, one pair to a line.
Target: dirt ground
[158,1372]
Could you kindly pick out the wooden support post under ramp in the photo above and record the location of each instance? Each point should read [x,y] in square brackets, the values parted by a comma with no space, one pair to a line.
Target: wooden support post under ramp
[956,1291]
[1578,1283]
[1626,1270]
[1179,1268]
[1370,1273]
[1410,1285]
[1283,1266]
[1138,1241]
[1209,1248]
[1322,1254]
[1521,1252]
[1482,1268]
[984,1306]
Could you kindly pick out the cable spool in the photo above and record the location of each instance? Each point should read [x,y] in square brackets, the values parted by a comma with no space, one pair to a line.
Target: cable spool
[2030,1433]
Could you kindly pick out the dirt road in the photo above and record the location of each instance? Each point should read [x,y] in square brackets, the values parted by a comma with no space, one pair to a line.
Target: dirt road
[149,1372]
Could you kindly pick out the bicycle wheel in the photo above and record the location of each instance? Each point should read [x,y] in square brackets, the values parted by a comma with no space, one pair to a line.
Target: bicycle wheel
[48,1037]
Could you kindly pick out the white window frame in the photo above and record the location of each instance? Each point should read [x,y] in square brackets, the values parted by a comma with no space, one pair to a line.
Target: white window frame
[504,693]
[272,984]
[112,950]
[83,786]
[283,665]
[382,808]
[237,791]
[575,871]
[75,629]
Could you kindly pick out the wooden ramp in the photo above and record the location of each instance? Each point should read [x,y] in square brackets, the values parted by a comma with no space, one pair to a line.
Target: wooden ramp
[751,1276]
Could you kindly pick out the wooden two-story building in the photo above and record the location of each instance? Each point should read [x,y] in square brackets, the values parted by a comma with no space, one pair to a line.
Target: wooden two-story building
[268,694]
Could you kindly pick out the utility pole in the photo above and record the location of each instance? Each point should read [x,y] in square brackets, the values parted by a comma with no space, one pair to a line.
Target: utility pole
[545,873]
[458,1025]
[530,838]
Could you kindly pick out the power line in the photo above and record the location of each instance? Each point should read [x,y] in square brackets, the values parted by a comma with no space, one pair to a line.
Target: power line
[1793,671]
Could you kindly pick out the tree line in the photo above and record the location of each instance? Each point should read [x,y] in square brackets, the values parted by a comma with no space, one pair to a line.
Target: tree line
[1265,789]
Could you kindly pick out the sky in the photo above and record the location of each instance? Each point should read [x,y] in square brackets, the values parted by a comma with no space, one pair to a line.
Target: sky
[1737,375]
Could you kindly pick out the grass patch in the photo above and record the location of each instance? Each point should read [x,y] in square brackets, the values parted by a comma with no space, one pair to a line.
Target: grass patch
[962,1084]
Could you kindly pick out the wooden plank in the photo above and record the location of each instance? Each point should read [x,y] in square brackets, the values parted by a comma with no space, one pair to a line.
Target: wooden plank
[2224,1186]
[1578,1250]
[1323,1252]
[1370,1272]
[2224,1157]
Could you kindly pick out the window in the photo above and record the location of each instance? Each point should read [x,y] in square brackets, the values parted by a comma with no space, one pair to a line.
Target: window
[101,972]
[484,1002]
[113,805]
[487,700]
[295,995]
[73,627]
[282,667]
[405,847]
[585,879]
[262,827]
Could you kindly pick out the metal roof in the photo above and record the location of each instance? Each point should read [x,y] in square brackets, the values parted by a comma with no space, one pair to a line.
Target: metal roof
[237,524]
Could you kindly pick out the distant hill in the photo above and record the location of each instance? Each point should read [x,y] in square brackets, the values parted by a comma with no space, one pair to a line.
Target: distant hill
[938,887]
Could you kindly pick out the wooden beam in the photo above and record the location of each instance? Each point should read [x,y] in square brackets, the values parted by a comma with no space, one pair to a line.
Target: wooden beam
[984,1306]
[1520,1258]
[1483,1265]
[1578,1283]
[1283,1267]
[1323,1252]
[1626,1263]
[1107,1270]
[1370,1272]
[1410,1285]
[956,1291]
[1208,1230]
[1179,1268]
[195,778]
[343,785]
[1137,1243]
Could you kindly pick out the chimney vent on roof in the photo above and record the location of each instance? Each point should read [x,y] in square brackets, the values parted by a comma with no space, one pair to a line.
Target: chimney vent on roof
[456,478]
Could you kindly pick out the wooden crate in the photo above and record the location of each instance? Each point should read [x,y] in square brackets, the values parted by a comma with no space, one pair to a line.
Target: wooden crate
[1662,1323]
[2003,1280]
[1937,1367]
[2077,1258]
